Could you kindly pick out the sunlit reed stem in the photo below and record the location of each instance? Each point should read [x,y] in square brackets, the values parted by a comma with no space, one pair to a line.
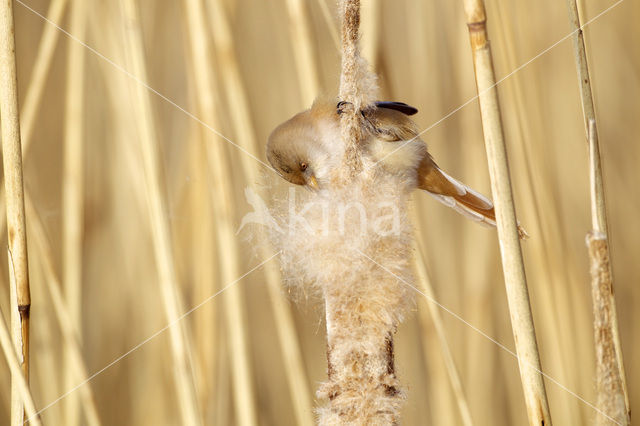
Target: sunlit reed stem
[20,298]
[512,262]
[159,222]
[69,327]
[72,198]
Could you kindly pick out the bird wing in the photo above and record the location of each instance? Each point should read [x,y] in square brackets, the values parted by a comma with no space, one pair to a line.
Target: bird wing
[390,124]
[454,194]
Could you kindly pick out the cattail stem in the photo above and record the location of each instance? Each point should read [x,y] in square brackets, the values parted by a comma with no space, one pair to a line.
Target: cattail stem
[362,312]
[512,262]
[12,162]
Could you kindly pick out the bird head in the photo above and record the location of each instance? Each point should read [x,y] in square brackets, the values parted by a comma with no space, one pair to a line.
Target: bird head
[297,150]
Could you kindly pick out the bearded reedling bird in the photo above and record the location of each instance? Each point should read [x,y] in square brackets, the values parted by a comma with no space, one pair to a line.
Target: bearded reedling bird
[304,149]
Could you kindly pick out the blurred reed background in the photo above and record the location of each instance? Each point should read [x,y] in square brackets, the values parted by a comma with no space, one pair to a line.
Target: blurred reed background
[134,199]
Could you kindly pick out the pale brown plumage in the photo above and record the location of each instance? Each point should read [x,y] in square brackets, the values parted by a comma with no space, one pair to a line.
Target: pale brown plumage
[304,150]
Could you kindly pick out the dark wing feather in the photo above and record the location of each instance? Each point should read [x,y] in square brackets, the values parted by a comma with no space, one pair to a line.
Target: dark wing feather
[398,106]
[390,124]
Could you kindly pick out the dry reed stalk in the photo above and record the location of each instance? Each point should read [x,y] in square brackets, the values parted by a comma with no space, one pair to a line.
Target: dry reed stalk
[72,199]
[159,222]
[512,262]
[552,296]
[364,303]
[303,50]
[613,397]
[242,124]
[434,316]
[326,14]
[371,12]
[205,264]
[223,211]
[77,368]
[32,99]
[611,386]
[17,251]
[17,374]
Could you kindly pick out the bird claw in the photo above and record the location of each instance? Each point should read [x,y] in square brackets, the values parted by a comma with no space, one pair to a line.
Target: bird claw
[343,106]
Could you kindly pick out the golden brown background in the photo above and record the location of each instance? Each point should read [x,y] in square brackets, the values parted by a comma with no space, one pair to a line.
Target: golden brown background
[420,51]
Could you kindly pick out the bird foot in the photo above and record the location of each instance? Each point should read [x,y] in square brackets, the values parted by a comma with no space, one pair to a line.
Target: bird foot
[344,106]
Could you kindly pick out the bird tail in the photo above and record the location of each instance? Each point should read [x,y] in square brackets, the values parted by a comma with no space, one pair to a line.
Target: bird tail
[459,197]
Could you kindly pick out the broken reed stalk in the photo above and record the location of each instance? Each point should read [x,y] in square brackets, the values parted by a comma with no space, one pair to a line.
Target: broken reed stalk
[72,199]
[68,326]
[20,302]
[512,263]
[159,221]
[610,380]
[613,397]
[224,212]
[238,104]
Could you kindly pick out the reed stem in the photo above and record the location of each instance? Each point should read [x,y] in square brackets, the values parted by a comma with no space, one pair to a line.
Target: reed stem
[512,262]
[77,368]
[20,298]
[72,198]
[613,397]
[159,222]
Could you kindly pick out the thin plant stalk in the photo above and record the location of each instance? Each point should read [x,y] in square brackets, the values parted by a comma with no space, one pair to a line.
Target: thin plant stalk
[17,374]
[242,125]
[159,222]
[611,387]
[223,211]
[513,266]
[20,298]
[69,327]
[371,11]
[303,50]
[611,380]
[326,14]
[434,315]
[72,195]
[46,47]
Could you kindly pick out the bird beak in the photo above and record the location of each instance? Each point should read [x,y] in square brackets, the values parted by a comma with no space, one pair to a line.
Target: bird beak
[312,183]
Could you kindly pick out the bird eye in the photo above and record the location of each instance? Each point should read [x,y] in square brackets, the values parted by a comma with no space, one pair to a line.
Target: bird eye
[303,166]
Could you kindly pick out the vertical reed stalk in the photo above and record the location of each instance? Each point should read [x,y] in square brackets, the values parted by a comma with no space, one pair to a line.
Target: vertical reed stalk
[512,262]
[303,50]
[613,397]
[611,388]
[20,301]
[39,75]
[237,98]
[224,212]
[70,330]
[159,222]
[72,204]
[19,382]
[434,315]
